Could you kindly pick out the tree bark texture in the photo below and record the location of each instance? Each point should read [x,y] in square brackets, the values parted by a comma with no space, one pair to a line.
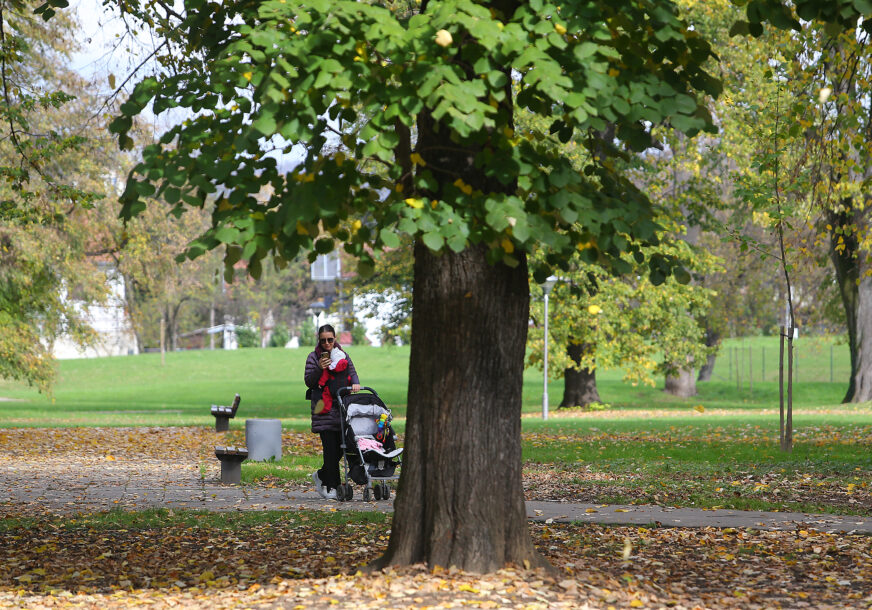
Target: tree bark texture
[683,384]
[712,339]
[855,288]
[579,384]
[460,500]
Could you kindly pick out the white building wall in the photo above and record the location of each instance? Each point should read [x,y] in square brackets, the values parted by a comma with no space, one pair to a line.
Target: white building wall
[111,323]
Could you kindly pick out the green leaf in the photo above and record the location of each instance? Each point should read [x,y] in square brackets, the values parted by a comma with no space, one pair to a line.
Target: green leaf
[324,245]
[433,240]
[265,123]
[497,79]
[389,238]
[227,235]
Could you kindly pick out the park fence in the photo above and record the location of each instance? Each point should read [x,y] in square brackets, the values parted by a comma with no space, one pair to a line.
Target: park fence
[812,362]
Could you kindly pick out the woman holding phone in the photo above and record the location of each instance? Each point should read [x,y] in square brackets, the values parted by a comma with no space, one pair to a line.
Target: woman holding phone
[327,423]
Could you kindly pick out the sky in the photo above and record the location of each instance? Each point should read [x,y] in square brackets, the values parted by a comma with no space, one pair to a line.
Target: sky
[99,30]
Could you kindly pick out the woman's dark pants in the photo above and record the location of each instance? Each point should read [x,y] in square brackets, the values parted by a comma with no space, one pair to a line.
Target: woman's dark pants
[329,473]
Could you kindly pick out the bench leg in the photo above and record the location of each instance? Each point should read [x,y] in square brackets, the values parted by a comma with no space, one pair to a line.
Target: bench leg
[222,423]
[231,471]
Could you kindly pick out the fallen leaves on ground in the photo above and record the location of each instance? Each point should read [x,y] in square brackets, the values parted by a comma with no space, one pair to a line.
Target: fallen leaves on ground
[736,486]
[135,443]
[776,491]
[747,433]
[290,563]
[296,565]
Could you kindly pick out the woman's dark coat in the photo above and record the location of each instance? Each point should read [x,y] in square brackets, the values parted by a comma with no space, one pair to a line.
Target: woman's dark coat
[329,421]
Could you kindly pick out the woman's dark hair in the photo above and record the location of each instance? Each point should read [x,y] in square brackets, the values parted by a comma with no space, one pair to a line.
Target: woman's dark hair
[327,328]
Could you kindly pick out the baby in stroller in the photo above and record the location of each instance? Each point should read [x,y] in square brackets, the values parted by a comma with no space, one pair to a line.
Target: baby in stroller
[370,451]
[338,363]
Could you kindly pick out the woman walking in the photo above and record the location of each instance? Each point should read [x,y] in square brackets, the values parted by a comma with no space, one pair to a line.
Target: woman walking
[326,422]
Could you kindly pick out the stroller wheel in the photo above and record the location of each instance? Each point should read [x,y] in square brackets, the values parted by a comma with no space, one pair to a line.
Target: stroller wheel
[385,492]
[377,491]
[367,495]
[349,492]
[340,493]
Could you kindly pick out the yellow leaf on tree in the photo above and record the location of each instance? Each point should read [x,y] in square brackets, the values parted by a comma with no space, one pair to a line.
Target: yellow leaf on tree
[459,183]
[414,203]
[417,160]
[443,38]
[507,245]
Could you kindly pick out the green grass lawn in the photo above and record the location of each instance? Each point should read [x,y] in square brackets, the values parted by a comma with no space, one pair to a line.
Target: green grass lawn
[139,390]
[719,448]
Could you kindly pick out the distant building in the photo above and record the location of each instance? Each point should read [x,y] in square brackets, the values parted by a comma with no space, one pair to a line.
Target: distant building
[109,320]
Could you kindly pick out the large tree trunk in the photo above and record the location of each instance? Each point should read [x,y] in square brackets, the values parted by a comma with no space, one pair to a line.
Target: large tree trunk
[855,288]
[460,500]
[579,384]
[683,384]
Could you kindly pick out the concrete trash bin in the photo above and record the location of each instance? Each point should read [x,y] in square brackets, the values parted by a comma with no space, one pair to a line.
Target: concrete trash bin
[263,437]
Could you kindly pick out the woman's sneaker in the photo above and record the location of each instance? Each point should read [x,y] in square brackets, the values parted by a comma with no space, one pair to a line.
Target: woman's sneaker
[322,491]
[329,494]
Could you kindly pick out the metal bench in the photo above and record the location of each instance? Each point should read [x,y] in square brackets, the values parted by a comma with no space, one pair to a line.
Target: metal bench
[231,459]
[223,415]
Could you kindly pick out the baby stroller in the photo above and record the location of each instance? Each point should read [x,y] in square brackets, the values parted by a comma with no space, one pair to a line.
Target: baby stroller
[369,447]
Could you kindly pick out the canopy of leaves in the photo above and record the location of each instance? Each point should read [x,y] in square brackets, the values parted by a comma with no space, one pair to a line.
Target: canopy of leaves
[343,78]
[836,15]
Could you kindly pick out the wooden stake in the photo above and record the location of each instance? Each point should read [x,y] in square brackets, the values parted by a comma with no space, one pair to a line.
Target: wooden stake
[788,426]
[781,388]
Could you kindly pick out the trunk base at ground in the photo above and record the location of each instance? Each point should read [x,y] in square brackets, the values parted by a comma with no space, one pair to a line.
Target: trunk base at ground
[579,385]
[683,384]
[460,500]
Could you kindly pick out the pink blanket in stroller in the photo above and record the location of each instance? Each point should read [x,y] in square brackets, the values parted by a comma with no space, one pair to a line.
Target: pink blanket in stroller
[366,444]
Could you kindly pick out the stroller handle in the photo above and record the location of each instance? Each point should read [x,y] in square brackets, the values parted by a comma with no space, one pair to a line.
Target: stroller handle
[349,389]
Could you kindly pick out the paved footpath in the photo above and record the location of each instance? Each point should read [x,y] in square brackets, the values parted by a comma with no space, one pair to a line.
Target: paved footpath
[71,486]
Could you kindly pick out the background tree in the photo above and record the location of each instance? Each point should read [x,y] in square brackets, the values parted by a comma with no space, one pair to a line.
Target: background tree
[434,101]
[157,286]
[818,146]
[387,294]
[280,297]
[49,178]
[600,321]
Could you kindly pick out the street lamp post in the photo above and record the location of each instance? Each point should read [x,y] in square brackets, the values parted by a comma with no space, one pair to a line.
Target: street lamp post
[547,285]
